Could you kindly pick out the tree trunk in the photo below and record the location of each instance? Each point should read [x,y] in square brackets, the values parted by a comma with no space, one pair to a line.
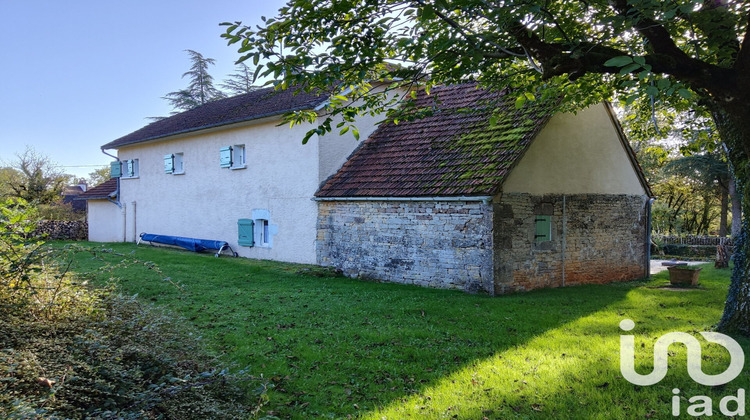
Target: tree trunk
[736,318]
[724,212]
[736,201]
[734,129]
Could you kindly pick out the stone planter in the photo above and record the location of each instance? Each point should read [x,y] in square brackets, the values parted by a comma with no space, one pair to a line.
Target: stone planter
[683,275]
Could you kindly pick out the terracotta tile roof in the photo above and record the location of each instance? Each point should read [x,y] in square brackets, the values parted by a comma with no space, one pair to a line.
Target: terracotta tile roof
[250,106]
[453,152]
[102,191]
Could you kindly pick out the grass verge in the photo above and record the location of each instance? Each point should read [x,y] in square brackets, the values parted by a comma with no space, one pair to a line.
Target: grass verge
[334,347]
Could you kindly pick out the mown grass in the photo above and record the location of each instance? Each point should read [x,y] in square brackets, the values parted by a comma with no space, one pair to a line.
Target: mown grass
[334,347]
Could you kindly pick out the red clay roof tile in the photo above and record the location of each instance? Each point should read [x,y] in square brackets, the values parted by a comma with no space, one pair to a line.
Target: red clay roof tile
[453,152]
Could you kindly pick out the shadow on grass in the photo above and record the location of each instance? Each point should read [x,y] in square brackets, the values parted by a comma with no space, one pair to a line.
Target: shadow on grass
[336,346]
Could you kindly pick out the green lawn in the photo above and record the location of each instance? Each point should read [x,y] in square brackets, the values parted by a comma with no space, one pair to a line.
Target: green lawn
[333,346]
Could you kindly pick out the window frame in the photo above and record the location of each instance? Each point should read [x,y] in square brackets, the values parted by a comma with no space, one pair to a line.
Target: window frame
[178,163]
[126,174]
[239,157]
[263,233]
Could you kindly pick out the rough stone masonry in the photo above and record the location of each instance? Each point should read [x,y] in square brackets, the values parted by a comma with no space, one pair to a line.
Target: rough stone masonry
[427,243]
[488,248]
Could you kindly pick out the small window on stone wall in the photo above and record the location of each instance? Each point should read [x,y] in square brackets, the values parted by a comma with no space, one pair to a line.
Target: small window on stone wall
[543,225]
[543,229]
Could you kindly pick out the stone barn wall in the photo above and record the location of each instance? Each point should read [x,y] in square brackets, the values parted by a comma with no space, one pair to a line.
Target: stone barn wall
[603,236]
[426,243]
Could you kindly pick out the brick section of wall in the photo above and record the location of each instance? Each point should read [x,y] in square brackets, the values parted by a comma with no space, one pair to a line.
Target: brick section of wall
[605,237]
[434,244]
[62,230]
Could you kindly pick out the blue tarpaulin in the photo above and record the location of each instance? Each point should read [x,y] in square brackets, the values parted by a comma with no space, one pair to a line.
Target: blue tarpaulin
[191,244]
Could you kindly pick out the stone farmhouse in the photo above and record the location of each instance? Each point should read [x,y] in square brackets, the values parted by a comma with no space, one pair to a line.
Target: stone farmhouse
[477,195]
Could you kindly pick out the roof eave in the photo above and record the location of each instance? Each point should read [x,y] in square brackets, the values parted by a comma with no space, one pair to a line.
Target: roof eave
[110,146]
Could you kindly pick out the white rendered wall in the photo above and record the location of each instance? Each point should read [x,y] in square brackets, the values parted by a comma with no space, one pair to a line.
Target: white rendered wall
[576,154]
[105,221]
[206,201]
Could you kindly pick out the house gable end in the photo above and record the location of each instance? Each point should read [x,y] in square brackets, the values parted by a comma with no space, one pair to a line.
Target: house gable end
[583,153]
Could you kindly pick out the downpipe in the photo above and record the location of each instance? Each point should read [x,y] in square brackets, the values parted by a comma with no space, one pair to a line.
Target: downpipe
[648,236]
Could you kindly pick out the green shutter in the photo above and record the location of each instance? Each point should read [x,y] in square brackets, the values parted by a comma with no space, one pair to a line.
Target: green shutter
[543,229]
[115,169]
[169,164]
[225,157]
[245,232]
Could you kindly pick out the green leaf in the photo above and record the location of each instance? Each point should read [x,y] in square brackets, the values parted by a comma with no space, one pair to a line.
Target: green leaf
[520,101]
[629,68]
[620,61]
[355,132]
[685,93]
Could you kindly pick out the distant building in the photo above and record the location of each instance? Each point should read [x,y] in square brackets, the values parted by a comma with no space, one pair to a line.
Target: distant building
[70,196]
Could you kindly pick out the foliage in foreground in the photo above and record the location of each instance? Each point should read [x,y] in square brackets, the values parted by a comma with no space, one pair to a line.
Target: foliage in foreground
[119,361]
[71,351]
[334,347]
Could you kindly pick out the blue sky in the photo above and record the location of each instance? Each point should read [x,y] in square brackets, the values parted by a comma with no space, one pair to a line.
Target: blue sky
[77,74]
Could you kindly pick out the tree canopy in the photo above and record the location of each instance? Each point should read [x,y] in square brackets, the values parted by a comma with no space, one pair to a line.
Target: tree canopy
[201,89]
[33,177]
[668,50]
[241,81]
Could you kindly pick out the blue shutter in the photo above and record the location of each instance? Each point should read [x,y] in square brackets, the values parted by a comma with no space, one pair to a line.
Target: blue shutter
[225,157]
[245,232]
[115,169]
[543,229]
[169,164]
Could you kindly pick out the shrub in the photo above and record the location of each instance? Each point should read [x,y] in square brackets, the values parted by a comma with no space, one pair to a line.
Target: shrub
[125,361]
[72,351]
[680,250]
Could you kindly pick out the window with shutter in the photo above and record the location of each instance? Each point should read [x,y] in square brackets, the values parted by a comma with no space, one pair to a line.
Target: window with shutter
[543,231]
[129,168]
[245,232]
[173,164]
